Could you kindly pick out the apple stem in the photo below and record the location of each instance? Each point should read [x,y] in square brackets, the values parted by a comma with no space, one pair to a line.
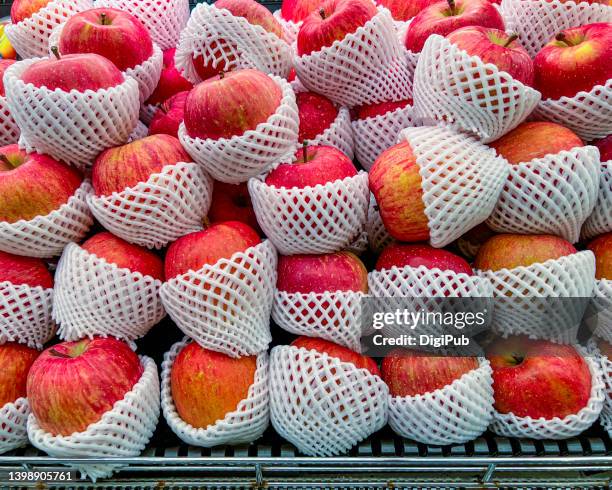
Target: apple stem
[59,354]
[103,19]
[561,37]
[222,74]
[305,151]
[4,158]
[322,13]
[56,53]
[510,40]
[451,6]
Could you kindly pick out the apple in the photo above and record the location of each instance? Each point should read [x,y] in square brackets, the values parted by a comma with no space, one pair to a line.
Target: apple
[232,202]
[404,10]
[207,70]
[471,241]
[339,271]
[331,22]
[16,360]
[410,373]
[206,385]
[4,64]
[114,34]
[254,12]
[231,104]
[446,16]
[23,9]
[171,81]
[417,255]
[317,113]
[602,248]
[334,350]
[219,241]
[125,166]
[298,10]
[538,378]
[125,255]
[496,47]
[72,384]
[24,270]
[372,110]
[507,251]
[605,148]
[33,184]
[576,60]
[532,140]
[169,115]
[313,165]
[395,181]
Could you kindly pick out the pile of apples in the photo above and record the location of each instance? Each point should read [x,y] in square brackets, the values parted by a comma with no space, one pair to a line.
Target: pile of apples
[226,214]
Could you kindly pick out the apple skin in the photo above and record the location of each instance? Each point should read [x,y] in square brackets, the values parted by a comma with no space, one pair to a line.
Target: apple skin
[605,348]
[169,115]
[372,110]
[602,248]
[79,72]
[232,202]
[206,385]
[219,241]
[410,373]
[416,255]
[404,10]
[531,140]
[171,81]
[24,270]
[339,271]
[576,60]
[254,12]
[23,9]
[114,34]
[125,255]
[125,166]
[16,360]
[33,184]
[395,181]
[72,384]
[298,10]
[4,64]
[317,113]
[440,18]
[313,165]
[537,378]
[332,21]
[605,148]
[334,350]
[496,47]
[222,107]
[507,251]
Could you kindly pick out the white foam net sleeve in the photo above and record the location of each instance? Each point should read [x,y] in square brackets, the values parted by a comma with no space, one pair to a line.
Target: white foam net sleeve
[520,306]
[378,237]
[147,74]
[605,365]
[147,113]
[322,405]
[509,425]
[411,57]
[236,159]
[552,195]
[169,205]
[321,219]
[71,126]
[46,236]
[454,87]
[9,131]
[290,28]
[122,432]
[454,414]
[601,320]
[13,421]
[25,314]
[537,21]
[600,220]
[140,131]
[243,425]
[226,306]
[461,180]
[220,37]
[30,37]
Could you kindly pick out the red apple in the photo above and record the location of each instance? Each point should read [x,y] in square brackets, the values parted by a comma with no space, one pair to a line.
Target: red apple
[537,378]
[576,60]
[605,148]
[219,241]
[417,255]
[23,9]
[24,270]
[206,385]
[4,64]
[16,360]
[332,21]
[446,16]
[230,105]
[317,113]
[372,110]
[125,255]
[169,115]
[72,384]
[404,10]
[32,184]
[602,248]
[232,202]
[112,33]
[410,373]
[171,81]
[298,10]
[254,12]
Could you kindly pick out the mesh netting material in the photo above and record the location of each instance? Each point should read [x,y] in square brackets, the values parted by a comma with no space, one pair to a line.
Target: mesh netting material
[322,405]
[378,237]
[94,297]
[461,180]
[552,195]
[226,306]
[147,113]
[241,157]
[140,131]
[454,87]
[600,220]
[605,365]
[601,321]
[455,414]
[123,431]
[9,131]
[30,37]
[321,219]
[290,28]
[170,204]
[537,21]
[71,126]
[25,314]
[519,292]
[220,37]
[46,236]
[13,420]
[411,57]
[147,74]
[243,425]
